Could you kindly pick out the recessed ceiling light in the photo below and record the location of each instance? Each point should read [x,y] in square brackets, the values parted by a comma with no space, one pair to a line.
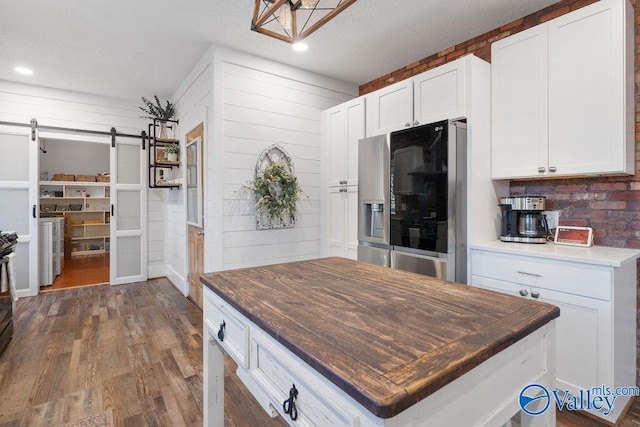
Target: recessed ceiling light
[24,70]
[300,46]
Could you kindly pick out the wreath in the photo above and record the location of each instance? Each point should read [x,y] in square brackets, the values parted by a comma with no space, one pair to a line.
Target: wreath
[276,192]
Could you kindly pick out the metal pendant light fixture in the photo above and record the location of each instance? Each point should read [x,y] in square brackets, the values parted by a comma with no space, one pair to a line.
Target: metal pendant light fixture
[294,20]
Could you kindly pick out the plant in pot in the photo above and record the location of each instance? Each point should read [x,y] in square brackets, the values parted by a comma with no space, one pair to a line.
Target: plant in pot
[172,151]
[155,110]
[276,192]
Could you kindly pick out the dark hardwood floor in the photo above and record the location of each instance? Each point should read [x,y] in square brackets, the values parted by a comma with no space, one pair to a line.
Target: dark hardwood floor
[134,351]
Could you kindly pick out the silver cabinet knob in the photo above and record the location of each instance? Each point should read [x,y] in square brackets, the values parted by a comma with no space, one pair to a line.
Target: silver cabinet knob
[200,233]
[524,292]
[407,124]
[535,294]
[541,169]
[416,123]
[552,169]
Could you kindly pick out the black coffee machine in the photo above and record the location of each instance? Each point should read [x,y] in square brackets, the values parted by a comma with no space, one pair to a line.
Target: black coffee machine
[523,219]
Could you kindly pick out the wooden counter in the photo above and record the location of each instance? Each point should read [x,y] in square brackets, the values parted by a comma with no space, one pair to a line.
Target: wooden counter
[387,338]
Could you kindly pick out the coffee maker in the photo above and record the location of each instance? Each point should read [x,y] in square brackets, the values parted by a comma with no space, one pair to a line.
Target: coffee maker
[523,219]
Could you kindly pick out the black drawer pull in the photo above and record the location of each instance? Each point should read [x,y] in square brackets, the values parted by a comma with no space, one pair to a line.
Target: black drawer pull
[289,405]
[221,331]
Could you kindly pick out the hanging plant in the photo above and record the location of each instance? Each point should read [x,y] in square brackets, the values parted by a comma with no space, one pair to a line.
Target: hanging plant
[276,192]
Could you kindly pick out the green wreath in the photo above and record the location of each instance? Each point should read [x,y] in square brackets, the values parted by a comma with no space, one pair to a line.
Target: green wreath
[276,192]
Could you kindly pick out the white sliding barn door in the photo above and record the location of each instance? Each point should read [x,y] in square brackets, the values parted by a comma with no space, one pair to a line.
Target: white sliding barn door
[129,212]
[19,201]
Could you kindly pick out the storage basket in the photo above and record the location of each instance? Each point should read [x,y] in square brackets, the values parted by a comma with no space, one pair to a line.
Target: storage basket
[47,208]
[63,177]
[63,208]
[103,178]
[86,178]
[75,206]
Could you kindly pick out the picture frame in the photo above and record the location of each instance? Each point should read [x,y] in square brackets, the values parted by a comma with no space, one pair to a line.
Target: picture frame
[161,155]
[574,236]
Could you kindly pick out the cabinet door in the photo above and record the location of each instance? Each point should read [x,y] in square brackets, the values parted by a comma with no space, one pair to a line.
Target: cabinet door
[351,221]
[519,146]
[343,127]
[337,224]
[439,94]
[587,90]
[336,131]
[390,108]
[583,340]
[355,111]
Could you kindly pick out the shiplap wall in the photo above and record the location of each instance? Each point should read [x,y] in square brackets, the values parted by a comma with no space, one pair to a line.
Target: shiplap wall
[20,103]
[260,109]
[247,104]
[194,101]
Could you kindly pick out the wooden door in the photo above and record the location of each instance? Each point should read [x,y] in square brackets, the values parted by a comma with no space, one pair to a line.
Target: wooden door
[195,211]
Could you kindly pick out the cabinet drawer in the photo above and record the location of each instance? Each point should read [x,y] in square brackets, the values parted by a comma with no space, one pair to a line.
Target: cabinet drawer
[276,372]
[236,331]
[574,278]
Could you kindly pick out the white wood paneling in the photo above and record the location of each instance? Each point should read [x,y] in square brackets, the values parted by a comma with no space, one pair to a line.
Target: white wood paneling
[260,108]
[51,107]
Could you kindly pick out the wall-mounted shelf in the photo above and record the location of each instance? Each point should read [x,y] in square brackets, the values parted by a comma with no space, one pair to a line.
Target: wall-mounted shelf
[160,167]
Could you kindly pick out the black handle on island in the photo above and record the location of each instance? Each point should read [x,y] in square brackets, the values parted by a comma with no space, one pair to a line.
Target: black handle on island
[221,331]
[289,405]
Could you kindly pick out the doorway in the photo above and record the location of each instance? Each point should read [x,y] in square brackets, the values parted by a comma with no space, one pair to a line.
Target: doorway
[74,191]
[195,212]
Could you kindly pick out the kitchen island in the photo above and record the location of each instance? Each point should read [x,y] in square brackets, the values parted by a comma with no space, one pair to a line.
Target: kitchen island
[333,341]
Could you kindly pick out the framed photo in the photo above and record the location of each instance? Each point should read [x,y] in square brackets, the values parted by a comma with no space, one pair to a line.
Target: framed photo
[574,236]
[161,155]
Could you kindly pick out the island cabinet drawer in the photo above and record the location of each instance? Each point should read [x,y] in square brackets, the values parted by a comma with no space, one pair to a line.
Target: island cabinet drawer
[227,326]
[569,277]
[318,402]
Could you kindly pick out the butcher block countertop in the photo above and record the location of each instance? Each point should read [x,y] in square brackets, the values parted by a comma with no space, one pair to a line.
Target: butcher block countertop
[387,338]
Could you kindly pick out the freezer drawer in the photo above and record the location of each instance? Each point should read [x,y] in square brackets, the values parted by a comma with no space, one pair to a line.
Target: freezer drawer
[421,264]
[373,255]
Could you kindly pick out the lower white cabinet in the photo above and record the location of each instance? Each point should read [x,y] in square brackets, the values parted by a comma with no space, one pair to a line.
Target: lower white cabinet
[343,221]
[596,330]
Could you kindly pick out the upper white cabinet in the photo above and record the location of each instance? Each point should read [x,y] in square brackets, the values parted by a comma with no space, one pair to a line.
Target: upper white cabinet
[562,96]
[390,108]
[434,95]
[343,126]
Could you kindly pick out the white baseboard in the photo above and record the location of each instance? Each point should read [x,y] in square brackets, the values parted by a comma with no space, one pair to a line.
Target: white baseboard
[154,271]
[178,280]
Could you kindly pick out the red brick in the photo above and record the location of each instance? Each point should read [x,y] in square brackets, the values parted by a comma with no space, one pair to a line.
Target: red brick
[554,14]
[512,24]
[609,205]
[605,186]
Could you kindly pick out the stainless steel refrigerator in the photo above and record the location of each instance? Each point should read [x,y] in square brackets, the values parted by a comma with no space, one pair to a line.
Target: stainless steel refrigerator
[412,200]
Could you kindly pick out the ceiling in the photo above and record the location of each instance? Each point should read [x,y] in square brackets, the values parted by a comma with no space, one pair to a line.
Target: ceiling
[128,49]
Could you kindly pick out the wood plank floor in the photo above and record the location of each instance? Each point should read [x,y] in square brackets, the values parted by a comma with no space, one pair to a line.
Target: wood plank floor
[134,350]
[82,270]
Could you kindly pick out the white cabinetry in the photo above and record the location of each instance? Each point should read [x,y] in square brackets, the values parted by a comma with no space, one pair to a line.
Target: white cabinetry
[596,331]
[562,96]
[342,128]
[434,95]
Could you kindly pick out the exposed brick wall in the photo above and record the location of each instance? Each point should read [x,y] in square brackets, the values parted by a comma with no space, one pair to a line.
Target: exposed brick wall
[611,205]
[480,46]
